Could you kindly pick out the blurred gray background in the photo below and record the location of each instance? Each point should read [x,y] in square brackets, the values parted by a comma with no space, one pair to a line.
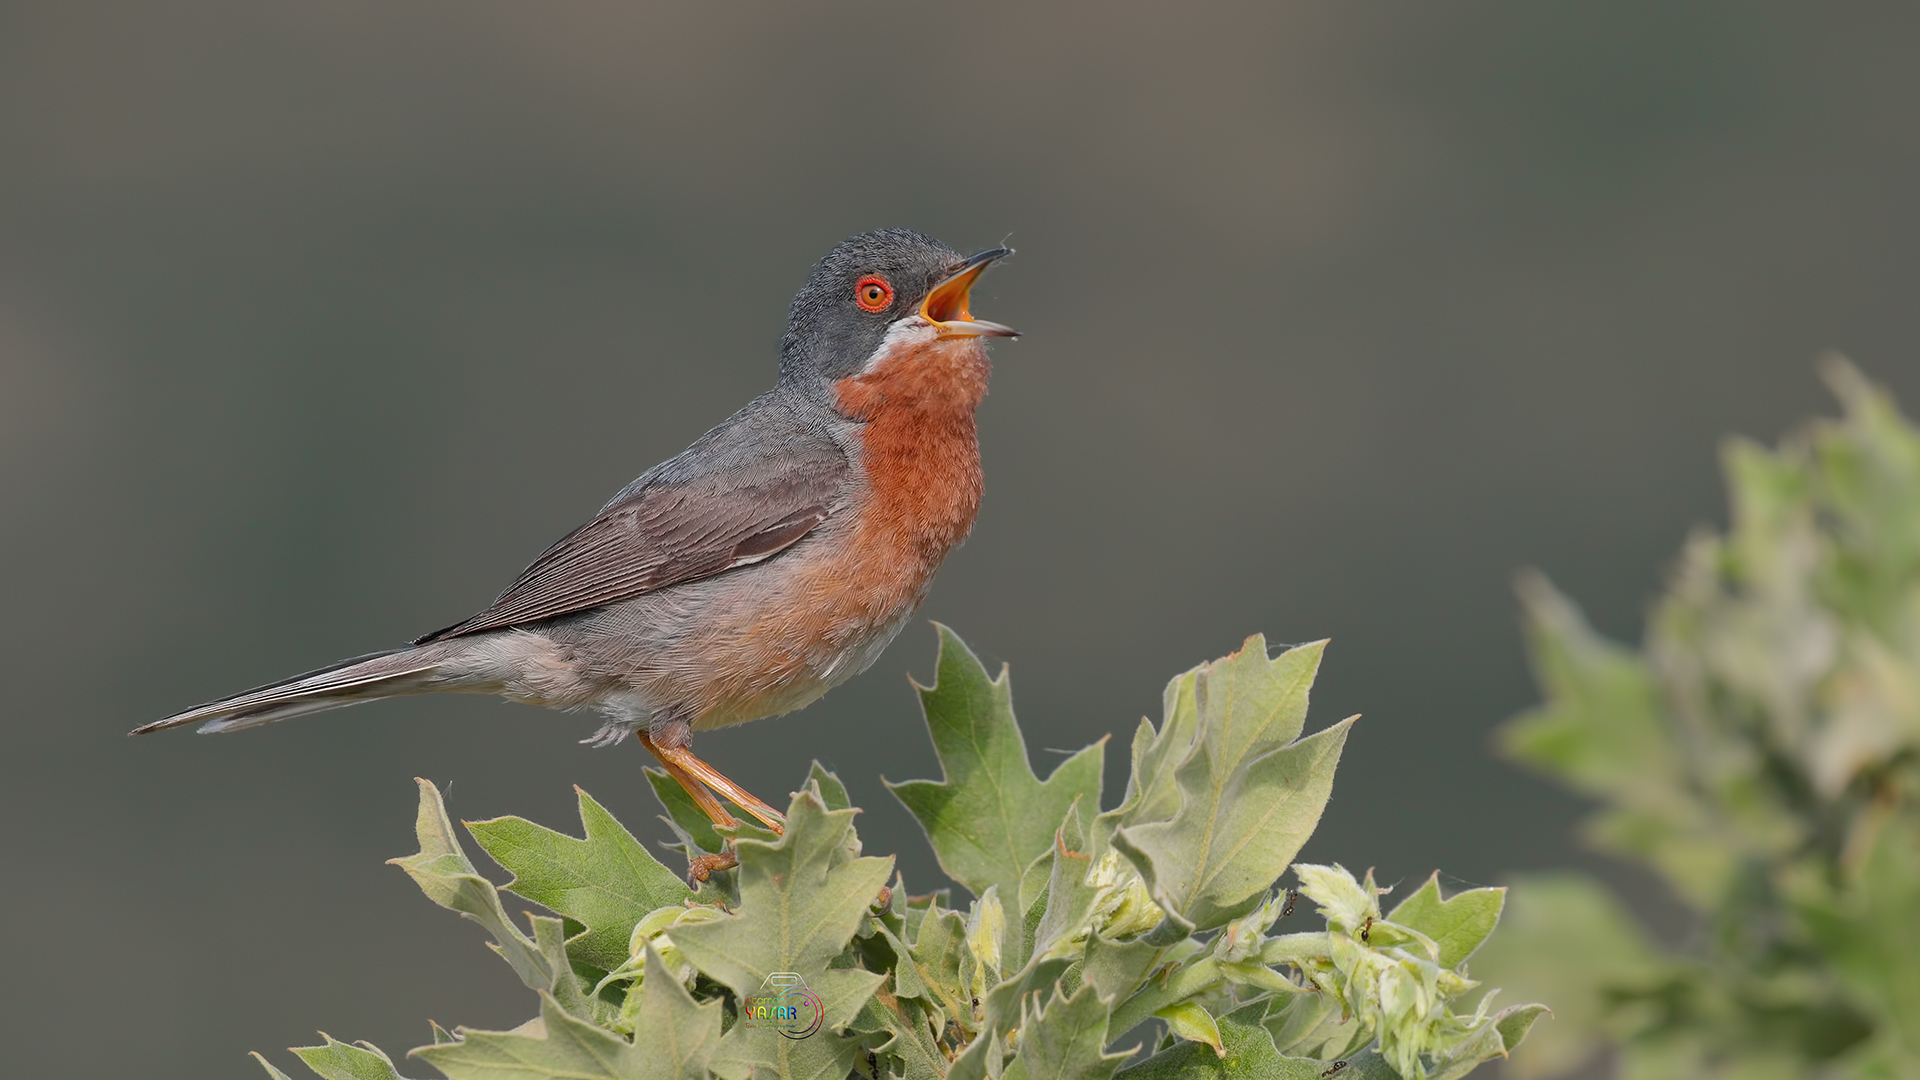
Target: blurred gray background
[318,321]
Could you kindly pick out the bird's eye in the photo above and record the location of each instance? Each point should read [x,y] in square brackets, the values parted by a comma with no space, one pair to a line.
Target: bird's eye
[873,293]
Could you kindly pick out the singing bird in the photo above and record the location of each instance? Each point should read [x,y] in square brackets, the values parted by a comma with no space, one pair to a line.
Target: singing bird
[770,561]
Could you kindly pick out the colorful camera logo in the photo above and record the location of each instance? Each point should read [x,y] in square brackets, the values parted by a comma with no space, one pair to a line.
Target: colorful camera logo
[786,1005]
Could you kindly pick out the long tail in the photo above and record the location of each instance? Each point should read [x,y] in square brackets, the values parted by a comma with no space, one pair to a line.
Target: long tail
[349,682]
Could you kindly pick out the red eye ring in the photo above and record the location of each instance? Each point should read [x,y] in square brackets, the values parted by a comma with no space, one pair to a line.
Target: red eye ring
[873,293]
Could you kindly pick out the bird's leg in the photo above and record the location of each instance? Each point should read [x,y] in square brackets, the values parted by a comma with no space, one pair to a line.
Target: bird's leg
[702,798]
[699,867]
[694,776]
[681,757]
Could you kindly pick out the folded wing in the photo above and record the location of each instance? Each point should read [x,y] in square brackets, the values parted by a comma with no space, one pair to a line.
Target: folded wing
[744,505]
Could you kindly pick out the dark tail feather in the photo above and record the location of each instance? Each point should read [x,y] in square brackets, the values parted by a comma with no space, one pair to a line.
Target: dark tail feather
[349,682]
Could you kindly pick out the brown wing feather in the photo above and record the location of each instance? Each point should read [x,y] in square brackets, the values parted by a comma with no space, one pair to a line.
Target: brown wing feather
[667,533]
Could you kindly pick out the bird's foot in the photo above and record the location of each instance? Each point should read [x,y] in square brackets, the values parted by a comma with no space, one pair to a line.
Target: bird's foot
[702,867]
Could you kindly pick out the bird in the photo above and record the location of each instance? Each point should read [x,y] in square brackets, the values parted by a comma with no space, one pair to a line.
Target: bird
[772,560]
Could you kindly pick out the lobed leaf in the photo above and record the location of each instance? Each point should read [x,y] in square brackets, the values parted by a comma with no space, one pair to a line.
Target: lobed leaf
[1152,792]
[933,963]
[989,817]
[1602,730]
[1249,795]
[800,903]
[833,793]
[1457,924]
[1117,968]
[1066,1040]
[442,871]
[803,912]
[607,881]
[680,1040]
[335,1060]
[758,1052]
[1070,892]
[1222,780]
[1001,1011]
[573,992]
[909,1026]
[1514,1022]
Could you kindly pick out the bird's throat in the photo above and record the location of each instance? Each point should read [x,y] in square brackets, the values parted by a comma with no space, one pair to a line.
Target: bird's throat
[919,443]
[928,376]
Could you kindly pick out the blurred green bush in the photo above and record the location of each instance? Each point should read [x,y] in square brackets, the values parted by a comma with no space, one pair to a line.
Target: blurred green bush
[1761,755]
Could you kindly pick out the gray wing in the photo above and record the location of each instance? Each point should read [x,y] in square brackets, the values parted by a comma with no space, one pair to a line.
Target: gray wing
[740,495]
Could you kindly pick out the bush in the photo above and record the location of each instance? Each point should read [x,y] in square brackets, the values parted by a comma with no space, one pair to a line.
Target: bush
[1087,930]
[1761,754]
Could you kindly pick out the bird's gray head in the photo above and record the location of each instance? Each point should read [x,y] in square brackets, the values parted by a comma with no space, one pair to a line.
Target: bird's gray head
[892,280]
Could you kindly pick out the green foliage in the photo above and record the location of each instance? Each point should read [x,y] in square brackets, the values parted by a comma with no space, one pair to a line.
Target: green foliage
[442,871]
[802,898]
[1249,794]
[991,817]
[336,1060]
[1089,934]
[606,882]
[1761,754]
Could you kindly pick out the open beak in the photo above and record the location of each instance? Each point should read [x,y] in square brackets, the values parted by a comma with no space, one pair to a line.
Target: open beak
[946,305]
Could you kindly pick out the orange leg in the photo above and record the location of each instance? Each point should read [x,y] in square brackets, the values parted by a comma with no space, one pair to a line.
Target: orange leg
[678,760]
[693,776]
[699,867]
[702,798]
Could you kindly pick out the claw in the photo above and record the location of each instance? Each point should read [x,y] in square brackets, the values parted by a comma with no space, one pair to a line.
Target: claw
[702,867]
